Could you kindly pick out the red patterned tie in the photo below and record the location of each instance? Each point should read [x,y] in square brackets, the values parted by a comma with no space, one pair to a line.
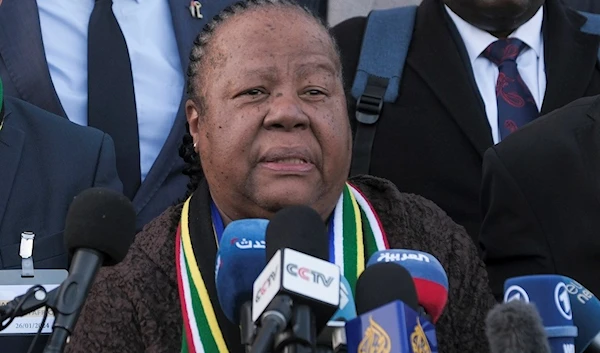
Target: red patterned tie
[516,106]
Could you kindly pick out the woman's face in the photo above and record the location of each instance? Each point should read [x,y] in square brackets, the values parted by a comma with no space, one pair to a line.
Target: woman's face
[275,130]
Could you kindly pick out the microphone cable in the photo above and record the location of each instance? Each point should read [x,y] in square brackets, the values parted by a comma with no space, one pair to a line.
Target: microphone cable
[11,316]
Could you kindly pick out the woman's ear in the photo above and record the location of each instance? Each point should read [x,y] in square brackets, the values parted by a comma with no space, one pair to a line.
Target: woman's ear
[192,113]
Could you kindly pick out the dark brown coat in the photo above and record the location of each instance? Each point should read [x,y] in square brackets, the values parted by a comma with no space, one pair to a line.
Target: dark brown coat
[134,306]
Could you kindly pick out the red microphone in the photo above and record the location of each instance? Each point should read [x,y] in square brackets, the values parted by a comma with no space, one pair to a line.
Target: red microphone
[431,281]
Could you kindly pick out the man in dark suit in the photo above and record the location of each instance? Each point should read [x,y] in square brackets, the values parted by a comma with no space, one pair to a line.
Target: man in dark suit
[45,162]
[541,199]
[431,141]
[44,60]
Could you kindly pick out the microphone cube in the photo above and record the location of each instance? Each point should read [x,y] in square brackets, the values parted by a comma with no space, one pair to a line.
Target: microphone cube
[392,328]
[304,278]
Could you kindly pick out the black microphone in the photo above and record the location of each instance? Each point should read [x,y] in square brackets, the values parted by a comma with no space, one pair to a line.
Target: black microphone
[298,284]
[516,327]
[99,229]
[388,319]
[374,287]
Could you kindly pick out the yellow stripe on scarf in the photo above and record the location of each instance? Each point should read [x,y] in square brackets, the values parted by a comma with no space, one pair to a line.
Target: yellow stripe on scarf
[199,282]
[360,245]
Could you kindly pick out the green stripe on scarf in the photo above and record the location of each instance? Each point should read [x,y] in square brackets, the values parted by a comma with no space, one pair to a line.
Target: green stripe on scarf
[371,244]
[184,345]
[208,340]
[349,246]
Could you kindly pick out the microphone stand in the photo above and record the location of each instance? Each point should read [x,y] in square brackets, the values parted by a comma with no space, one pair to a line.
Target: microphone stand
[247,326]
[301,337]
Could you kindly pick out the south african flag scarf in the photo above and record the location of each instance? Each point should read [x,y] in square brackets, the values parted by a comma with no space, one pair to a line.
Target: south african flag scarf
[354,231]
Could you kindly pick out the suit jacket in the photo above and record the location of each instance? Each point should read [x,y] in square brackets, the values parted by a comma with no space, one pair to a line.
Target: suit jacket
[45,162]
[25,75]
[541,198]
[431,141]
[584,5]
[136,303]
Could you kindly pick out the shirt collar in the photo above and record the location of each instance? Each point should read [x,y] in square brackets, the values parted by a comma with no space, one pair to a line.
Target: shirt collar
[477,40]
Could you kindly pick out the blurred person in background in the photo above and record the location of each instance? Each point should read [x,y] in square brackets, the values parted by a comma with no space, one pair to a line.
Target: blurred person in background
[45,162]
[540,199]
[117,66]
[476,71]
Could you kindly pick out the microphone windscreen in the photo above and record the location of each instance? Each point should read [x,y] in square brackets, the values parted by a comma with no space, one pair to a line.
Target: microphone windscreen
[240,259]
[299,228]
[103,220]
[516,327]
[428,274]
[384,283]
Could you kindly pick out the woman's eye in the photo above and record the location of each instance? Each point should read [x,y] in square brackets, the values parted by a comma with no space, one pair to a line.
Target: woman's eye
[253,92]
[314,92]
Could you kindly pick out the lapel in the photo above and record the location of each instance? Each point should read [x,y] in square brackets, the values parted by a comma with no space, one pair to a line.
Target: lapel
[589,148]
[22,51]
[438,55]
[11,146]
[570,54]
[186,28]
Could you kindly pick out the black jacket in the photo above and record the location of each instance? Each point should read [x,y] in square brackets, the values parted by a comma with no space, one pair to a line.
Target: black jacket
[541,199]
[431,141]
[584,5]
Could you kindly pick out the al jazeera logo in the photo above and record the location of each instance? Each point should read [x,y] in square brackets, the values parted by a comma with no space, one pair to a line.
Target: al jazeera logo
[376,340]
[418,340]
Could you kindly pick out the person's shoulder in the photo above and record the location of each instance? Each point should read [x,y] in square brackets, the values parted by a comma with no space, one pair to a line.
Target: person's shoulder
[412,219]
[547,134]
[152,253]
[48,126]
[385,195]
[414,222]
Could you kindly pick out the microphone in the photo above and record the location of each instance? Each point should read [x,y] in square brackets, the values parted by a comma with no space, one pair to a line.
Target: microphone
[333,336]
[549,294]
[99,229]
[586,316]
[428,275]
[240,259]
[297,284]
[515,327]
[386,301]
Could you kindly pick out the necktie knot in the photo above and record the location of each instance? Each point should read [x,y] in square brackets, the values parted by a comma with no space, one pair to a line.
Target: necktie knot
[503,50]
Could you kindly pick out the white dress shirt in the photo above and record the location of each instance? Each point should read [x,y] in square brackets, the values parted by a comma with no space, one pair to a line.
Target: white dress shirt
[530,62]
[156,66]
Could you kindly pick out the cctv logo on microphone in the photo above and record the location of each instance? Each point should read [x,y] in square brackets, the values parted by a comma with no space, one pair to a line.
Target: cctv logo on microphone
[266,286]
[271,279]
[309,275]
